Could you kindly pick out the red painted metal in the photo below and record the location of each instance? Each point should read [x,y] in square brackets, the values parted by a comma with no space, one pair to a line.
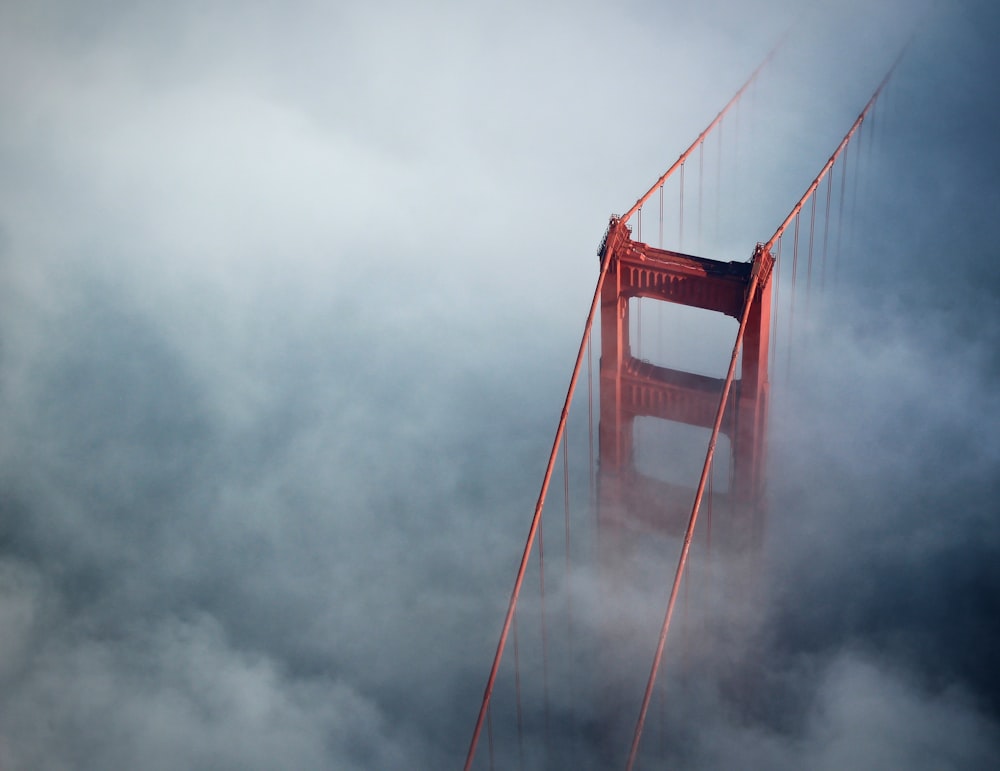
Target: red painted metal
[632,388]
[752,338]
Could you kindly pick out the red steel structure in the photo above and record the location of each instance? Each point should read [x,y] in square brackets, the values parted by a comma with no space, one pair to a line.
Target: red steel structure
[748,336]
[630,388]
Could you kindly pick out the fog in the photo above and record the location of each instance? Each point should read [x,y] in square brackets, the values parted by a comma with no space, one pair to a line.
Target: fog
[289,296]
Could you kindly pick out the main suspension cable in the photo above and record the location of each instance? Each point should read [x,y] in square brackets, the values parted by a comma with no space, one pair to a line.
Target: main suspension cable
[701,137]
[836,153]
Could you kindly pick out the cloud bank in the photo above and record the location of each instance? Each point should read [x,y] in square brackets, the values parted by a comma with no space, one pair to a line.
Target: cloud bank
[288,301]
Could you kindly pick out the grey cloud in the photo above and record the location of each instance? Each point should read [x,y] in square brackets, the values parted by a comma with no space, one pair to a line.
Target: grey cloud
[286,308]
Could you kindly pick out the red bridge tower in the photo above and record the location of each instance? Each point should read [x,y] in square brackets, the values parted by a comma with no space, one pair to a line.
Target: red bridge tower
[632,388]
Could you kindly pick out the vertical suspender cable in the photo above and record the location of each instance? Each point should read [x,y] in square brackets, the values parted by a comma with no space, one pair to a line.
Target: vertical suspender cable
[489,735]
[716,122]
[826,232]
[680,218]
[791,300]
[812,230]
[659,306]
[661,217]
[840,215]
[775,304]
[794,213]
[736,144]
[869,177]
[852,241]
[701,190]
[718,190]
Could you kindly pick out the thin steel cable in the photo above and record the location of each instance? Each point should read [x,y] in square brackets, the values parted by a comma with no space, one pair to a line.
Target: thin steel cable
[826,232]
[701,191]
[858,170]
[680,218]
[836,153]
[736,143]
[840,216]
[809,270]
[869,176]
[718,190]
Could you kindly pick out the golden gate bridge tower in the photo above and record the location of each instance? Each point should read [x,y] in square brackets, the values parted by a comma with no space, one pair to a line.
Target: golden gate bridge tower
[632,389]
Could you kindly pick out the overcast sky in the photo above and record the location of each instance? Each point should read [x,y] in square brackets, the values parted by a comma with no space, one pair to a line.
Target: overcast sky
[289,297]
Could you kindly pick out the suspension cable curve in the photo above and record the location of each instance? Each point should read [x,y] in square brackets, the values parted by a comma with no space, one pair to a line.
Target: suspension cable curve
[836,153]
[701,137]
